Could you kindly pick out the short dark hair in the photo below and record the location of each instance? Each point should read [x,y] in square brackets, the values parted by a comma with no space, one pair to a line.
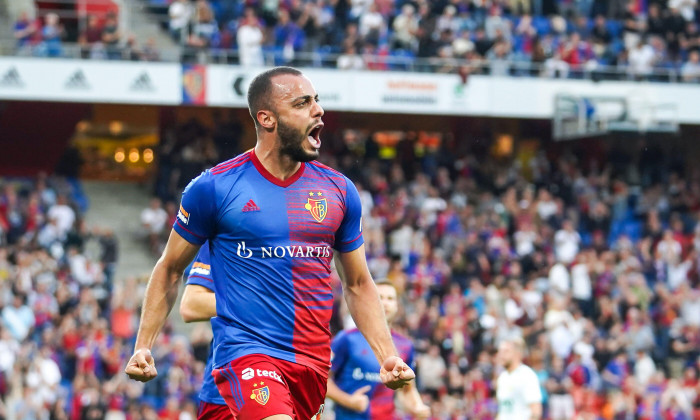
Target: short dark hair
[260,89]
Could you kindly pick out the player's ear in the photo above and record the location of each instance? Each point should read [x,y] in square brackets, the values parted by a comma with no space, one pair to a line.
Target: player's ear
[266,119]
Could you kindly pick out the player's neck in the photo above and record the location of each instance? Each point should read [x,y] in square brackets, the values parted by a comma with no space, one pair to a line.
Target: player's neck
[279,166]
[514,366]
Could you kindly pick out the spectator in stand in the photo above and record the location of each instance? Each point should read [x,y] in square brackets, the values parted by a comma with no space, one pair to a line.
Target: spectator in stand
[641,61]
[499,59]
[519,7]
[496,25]
[690,41]
[131,50]
[111,36]
[24,31]
[180,12]
[655,22]
[250,39]
[205,32]
[153,219]
[448,20]
[674,27]
[51,36]
[289,38]
[405,29]
[150,51]
[309,21]
[372,25]
[90,39]
[63,214]
[18,318]
[690,71]
[350,60]
[686,8]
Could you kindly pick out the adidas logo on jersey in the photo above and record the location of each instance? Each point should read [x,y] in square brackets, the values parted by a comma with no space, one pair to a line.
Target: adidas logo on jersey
[77,81]
[142,83]
[11,78]
[251,206]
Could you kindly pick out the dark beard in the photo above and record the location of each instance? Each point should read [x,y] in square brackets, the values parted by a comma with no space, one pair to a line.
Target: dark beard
[291,141]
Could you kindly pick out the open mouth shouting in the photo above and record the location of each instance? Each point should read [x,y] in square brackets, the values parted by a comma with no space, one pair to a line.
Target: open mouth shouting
[315,135]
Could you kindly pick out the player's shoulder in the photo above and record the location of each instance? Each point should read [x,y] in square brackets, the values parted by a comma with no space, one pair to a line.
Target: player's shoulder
[232,165]
[207,179]
[327,172]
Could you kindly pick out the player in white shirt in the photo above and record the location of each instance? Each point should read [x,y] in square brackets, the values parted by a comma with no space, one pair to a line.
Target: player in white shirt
[518,388]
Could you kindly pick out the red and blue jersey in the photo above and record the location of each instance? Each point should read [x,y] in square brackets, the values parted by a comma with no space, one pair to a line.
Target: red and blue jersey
[199,273]
[272,243]
[354,365]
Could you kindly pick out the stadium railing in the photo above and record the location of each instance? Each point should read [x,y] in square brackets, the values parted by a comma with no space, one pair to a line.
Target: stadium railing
[516,68]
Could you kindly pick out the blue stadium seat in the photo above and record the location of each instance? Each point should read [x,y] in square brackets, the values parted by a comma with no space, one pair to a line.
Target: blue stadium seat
[541,24]
[404,59]
[615,28]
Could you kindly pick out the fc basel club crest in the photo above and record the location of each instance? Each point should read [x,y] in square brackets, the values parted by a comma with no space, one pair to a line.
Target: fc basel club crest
[318,207]
[261,395]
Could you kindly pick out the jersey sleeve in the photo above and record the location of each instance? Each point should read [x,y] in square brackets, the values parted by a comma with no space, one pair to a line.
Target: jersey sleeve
[196,218]
[199,272]
[349,235]
[533,393]
[339,352]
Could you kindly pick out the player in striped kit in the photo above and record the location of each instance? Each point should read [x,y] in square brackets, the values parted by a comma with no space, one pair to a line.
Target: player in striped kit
[355,372]
[274,219]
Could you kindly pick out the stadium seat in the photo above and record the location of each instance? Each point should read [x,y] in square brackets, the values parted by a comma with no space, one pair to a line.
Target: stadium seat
[403,59]
[615,28]
[541,24]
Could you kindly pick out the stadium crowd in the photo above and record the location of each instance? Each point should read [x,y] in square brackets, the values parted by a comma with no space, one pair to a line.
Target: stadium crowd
[66,327]
[592,257]
[639,39]
[595,265]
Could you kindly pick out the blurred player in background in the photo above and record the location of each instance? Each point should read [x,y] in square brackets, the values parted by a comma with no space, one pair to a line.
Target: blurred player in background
[518,388]
[354,383]
[272,217]
[199,304]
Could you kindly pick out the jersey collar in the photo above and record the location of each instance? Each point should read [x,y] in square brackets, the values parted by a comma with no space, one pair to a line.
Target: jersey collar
[267,175]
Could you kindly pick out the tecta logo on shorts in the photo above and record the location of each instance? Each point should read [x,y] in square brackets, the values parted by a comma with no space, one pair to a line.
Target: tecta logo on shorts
[249,373]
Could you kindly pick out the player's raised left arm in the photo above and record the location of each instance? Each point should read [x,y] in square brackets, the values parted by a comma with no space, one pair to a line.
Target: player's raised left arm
[366,310]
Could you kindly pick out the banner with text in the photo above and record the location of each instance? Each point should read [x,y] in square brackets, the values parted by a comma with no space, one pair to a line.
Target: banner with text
[358,91]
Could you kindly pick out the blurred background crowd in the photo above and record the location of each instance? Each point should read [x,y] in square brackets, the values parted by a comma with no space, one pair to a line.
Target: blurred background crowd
[590,251]
[639,39]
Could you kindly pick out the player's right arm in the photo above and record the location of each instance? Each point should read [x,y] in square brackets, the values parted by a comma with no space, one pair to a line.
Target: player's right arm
[357,401]
[160,297]
[193,226]
[362,297]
